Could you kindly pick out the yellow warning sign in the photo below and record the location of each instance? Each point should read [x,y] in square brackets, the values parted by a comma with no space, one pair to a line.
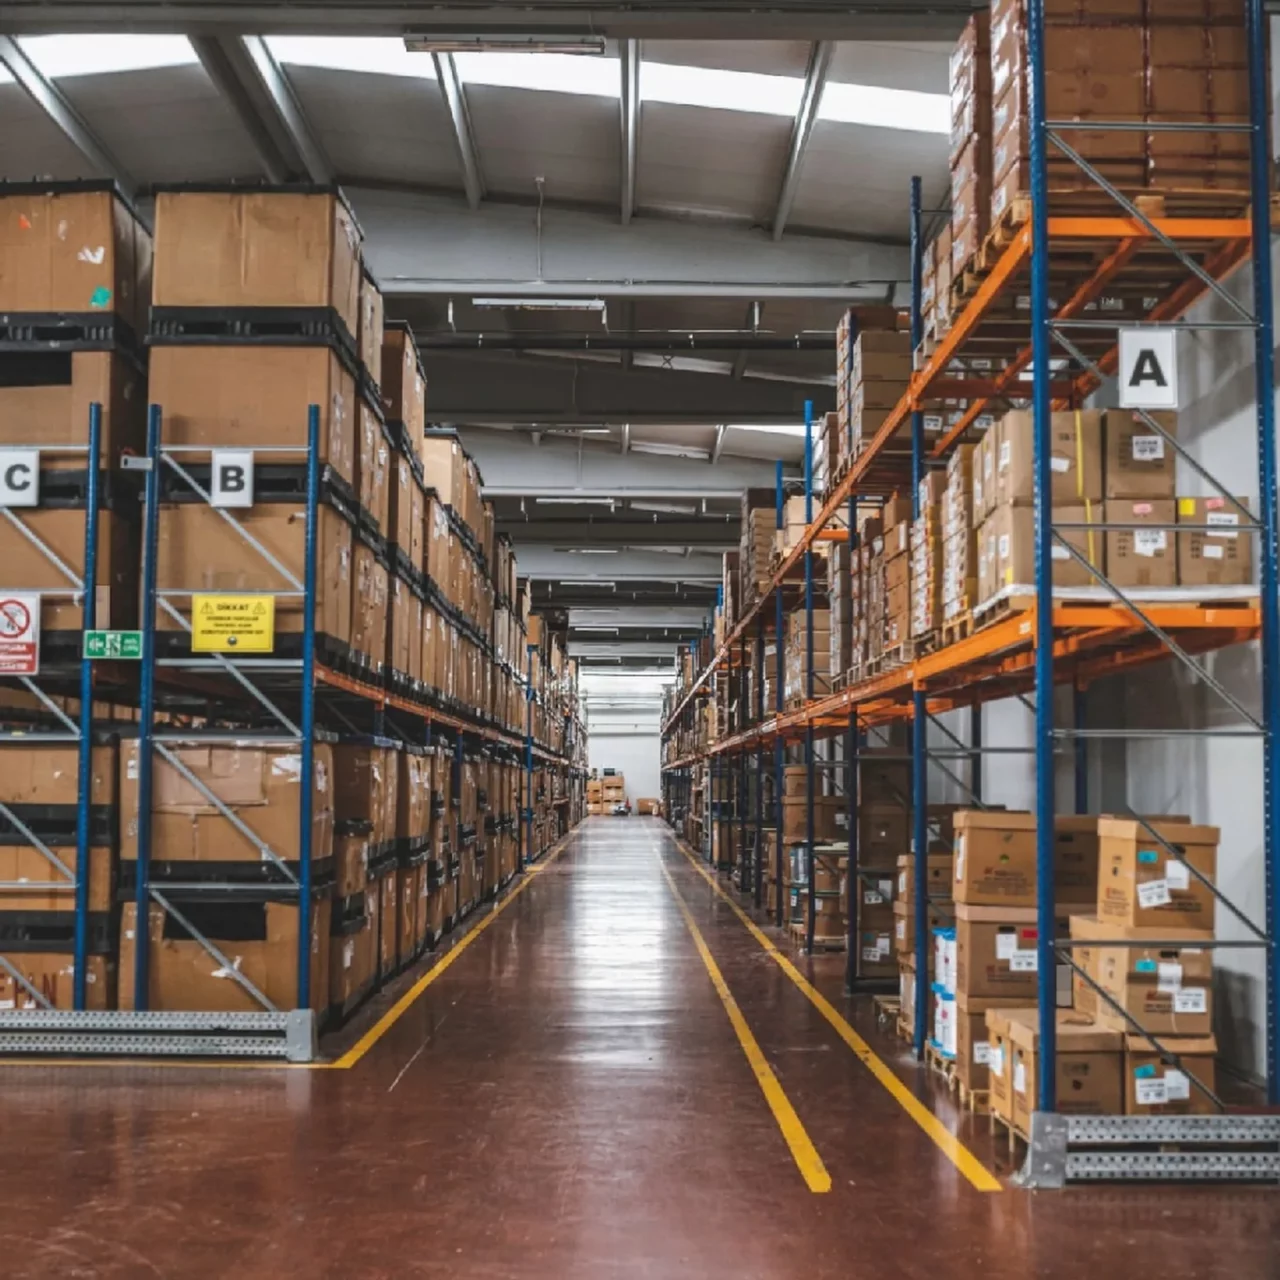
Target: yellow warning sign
[233,624]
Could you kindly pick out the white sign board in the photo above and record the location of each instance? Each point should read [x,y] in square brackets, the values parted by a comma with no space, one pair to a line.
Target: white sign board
[232,483]
[1148,369]
[19,633]
[19,477]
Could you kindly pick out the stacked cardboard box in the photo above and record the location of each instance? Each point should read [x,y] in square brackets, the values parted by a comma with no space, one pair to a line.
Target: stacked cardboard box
[829,892]
[880,369]
[796,683]
[884,816]
[897,573]
[926,557]
[614,790]
[959,545]
[970,140]
[935,299]
[755,551]
[840,606]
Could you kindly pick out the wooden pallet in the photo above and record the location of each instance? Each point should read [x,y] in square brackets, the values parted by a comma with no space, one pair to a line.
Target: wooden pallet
[958,628]
[888,1010]
[1015,1134]
[937,1062]
[905,1030]
[977,1102]
[798,937]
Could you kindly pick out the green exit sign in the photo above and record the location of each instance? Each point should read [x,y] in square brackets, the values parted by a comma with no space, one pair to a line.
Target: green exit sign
[126,645]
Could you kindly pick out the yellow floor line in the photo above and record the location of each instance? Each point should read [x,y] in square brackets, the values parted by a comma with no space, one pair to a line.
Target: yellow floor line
[358,1050]
[805,1154]
[946,1141]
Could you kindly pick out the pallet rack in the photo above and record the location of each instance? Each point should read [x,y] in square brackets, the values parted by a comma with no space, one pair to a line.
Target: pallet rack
[181,698]
[1052,638]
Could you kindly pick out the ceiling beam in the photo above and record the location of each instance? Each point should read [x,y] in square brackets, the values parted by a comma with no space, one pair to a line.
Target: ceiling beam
[815,81]
[625,445]
[718,447]
[302,138]
[227,63]
[51,100]
[631,532]
[455,101]
[755,309]
[629,110]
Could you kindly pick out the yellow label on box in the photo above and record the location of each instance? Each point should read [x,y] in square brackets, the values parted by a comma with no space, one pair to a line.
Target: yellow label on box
[233,624]
[1186,506]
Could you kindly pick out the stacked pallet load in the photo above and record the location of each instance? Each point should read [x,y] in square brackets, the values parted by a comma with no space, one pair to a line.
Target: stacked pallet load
[881,367]
[959,543]
[884,820]
[940,914]
[971,101]
[897,582]
[800,680]
[829,893]
[759,525]
[73,297]
[926,560]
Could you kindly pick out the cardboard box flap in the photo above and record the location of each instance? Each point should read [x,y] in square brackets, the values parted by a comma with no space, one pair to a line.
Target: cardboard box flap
[1076,1033]
[1181,1046]
[1173,830]
[995,915]
[994,820]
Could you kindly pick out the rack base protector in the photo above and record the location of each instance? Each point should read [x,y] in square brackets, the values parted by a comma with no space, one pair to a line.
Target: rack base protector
[1221,1148]
[51,1032]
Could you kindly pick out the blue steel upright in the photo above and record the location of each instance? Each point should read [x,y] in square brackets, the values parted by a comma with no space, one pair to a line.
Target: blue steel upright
[851,879]
[1040,403]
[758,755]
[779,751]
[146,712]
[1264,339]
[307,721]
[809,860]
[919,706]
[84,780]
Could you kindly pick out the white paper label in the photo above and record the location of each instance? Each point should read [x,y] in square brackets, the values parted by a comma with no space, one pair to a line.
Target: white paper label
[901,926]
[1148,448]
[1004,545]
[995,1059]
[1024,962]
[1220,523]
[1006,452]
[1150,1093]
[1060,465]
[886,890]
[871,954]
[882,945]
[1020,1077]
[981,1053]
[1155,893]
[1210,552]
[1168,976]
[872,898]
[1059,552]
[959,858]
[1191,1000]
[1149,542]
[1006,946]
[1177,1085]
[1177,874]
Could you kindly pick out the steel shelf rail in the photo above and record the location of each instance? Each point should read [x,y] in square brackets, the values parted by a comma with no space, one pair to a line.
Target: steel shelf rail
[57,725]
[1041,637]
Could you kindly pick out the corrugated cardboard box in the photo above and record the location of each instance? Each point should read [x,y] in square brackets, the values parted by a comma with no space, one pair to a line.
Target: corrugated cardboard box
[1140,463]
[995,858]
[1217,549]
[404,389]
[1155,1087]
[373,468]
[257,248]
[996,951]
[1007,551]
[999,1063]
[1087,1066]
[1167,990]
[1142,885]
[1141,556]
[1075,458]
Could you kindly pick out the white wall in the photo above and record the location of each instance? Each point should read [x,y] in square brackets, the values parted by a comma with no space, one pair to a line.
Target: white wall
[624,720]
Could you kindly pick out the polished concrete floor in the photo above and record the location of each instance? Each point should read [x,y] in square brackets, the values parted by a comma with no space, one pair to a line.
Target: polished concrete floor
[568,1100]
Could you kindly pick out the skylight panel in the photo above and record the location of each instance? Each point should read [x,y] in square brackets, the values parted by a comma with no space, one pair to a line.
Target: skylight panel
[61,57]
[720,90]
[867,104]
[376,55]
[586,75]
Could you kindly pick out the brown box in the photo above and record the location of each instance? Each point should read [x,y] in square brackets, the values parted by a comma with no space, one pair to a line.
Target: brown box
[1087,1066]
[973,1046]
[1140,556]
[353,948]
[73,250]
[1075,458]
[249,397]
[1167,990]
[996,951]
[999,1062]
[1153,1087]
[1140,463]
[370,597]
[373,468]
[881,355]
[52,974]
[245,248]
[884,830]
[199,551]
[372,323]
[366,793]
[995,858]
[1006,549]
[1217,549]
[1075,860]
[938,877]
[1142,886]
[259,784]
[404,390]
[183,976]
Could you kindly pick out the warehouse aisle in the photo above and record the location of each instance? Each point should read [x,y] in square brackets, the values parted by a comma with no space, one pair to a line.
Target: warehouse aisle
[569,1100]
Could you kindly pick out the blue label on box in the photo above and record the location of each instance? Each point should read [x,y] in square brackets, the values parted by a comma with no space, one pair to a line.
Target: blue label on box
[1144,1073]
[1146,966]
[1148,855]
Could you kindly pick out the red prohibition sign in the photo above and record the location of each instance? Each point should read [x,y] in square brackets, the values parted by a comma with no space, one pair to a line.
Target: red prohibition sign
[15,620]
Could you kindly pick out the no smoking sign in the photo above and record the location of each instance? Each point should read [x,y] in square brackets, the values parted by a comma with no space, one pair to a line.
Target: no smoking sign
[19,634]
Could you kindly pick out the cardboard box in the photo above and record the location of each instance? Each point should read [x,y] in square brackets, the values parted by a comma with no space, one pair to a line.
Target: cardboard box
[938,877]
[996,952]
[73,248]
[1006,549]
[352,959]
[904,927]
[372,323]
[245,397]
[261,936]
[404,389]
[1139,462]
[1217,549]
[999,1062]
[1075,459]
[1142,886]
[1087,1066]
[995,858]
[264,248]
[1075,860]
[1141,556]
[973,1046]
[1167,990]
[1153,1087]
[52,973]
[374,469]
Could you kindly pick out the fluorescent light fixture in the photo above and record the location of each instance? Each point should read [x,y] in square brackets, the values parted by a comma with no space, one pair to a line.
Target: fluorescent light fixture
[592,551]
[576,502]
[720,90]
[451,42]
[662,450]
[539,304]
[542,72]
[881,108]
[61,57]
[667,508]
[593,582]
[375,55]
[774,429]
[613,631]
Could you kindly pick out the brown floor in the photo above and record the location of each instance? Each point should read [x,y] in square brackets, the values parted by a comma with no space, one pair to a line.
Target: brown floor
[568,1101]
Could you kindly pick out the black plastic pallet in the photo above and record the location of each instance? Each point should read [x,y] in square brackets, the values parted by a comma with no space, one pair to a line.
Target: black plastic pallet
[252,326]
[21,331]
[247,877]
[54,932]
[55,825]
